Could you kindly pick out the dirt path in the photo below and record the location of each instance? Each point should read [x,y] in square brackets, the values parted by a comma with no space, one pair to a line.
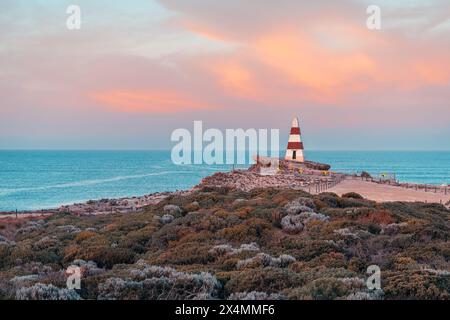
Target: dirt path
[383,192]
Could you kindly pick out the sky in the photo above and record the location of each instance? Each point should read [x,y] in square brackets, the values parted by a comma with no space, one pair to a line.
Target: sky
[138,69]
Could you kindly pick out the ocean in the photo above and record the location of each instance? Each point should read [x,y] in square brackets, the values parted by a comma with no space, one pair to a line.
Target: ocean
[31,180]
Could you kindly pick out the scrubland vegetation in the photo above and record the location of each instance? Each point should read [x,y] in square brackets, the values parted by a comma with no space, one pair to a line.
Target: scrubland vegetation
[220,243]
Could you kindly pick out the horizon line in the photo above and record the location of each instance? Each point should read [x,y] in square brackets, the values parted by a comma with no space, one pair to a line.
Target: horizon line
[163,149]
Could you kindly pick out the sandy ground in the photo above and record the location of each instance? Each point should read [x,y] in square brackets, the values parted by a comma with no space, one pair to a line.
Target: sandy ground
[383,192]
[24,215]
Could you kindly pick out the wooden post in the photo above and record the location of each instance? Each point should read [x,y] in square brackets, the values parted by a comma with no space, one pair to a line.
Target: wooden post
[16,214]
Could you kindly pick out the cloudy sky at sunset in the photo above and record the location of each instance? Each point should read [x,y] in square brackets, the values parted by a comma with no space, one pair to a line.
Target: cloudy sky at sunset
[139,69]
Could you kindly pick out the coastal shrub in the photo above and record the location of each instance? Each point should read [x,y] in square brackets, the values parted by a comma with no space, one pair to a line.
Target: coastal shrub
[301,204]
[5,252]
[329,260]
[170,232]
[276,218]
[203,237]
[167,218]
[355,202]
[321,289]
[329,199]
[270,280]
[149,282]
[227,249]
[366,295]
[292,224]
[266,260]
[193,206]
[185,254]
[41,291]
[107,257]
[137,240]
[251,230]
[352,195]
[296,223]
[320,204]
[347,213]
[256,295]
[83,235]
[306,249]
[393,228]
[172,209]
[244,211]
[416,285]
[380,217]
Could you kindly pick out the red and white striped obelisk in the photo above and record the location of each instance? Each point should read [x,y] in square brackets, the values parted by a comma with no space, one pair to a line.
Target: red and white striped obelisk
[294,150]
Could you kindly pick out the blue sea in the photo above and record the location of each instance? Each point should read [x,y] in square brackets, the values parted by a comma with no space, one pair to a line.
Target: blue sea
[32,180]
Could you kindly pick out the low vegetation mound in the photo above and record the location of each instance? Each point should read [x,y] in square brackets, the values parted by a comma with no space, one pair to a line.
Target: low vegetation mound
[222,243]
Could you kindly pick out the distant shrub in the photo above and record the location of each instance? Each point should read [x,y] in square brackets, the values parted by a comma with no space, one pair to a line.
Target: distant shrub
[352,195]
[366,175]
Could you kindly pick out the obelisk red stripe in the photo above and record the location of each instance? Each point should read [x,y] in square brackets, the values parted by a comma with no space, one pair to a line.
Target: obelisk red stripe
[295,145]
[295,130]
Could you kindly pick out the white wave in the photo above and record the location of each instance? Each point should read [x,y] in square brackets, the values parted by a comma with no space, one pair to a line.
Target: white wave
[83,183]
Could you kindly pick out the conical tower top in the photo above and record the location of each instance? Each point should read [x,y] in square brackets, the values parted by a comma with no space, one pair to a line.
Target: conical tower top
[294,150]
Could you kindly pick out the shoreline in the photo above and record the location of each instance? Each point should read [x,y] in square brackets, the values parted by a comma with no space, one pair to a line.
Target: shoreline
[309,180]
